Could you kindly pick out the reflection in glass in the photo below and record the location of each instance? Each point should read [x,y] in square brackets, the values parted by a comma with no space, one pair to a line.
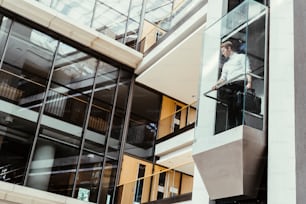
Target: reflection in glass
[102,105]
[46,2]
[157,11]
[110,18]
[133,23]
[24,77]
[108,181]
[119,117]
[71,85]
[5,24]
[16,137]
[76,10]
[26,66]
[114,141]
[143,122]
[53,166]
[89,176]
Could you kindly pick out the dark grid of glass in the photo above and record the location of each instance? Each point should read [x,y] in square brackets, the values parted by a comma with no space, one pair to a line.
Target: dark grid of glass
[62,115]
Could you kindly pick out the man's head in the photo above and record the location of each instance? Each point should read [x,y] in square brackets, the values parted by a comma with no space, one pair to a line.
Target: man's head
[227,49]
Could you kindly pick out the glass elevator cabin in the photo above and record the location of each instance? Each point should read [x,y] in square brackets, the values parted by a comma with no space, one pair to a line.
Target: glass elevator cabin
[230,137]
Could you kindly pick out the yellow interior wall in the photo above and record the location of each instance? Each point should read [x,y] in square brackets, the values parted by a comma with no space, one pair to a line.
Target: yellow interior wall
[129,172]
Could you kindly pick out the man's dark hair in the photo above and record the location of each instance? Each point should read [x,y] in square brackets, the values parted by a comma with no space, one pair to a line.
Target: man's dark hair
[227,44]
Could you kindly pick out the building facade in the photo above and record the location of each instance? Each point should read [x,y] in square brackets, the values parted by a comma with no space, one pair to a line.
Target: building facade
[86,115]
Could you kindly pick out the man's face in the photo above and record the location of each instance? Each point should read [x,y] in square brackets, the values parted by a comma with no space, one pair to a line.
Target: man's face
[225,52]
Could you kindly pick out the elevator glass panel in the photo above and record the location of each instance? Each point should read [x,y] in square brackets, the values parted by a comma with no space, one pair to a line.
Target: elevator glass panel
[239,103]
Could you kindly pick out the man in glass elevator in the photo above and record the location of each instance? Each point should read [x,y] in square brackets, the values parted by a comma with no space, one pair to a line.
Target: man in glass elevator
[234,79]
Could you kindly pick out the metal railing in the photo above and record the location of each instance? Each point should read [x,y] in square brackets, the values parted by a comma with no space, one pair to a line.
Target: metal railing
[163,184]
[226,106]
[177,120]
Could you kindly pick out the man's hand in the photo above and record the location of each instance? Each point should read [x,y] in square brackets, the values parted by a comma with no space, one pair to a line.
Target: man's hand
[215,87]
[249,85]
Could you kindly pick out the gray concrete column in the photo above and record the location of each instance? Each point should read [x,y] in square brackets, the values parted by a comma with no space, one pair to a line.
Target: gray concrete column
[299,16]
[41,167]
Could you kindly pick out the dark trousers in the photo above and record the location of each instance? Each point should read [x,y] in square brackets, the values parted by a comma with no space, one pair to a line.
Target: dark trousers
[228,95]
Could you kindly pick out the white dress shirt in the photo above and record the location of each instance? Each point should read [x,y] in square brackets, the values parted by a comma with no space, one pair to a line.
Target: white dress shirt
[237,64]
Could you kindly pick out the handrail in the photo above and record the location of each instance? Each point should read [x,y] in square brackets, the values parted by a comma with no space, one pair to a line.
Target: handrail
[156,173]
[179,110]
[229,81]
[11,171]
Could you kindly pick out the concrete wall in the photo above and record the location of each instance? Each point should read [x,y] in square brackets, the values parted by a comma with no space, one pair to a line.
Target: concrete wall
[281,123]
[300,97]
[207,107]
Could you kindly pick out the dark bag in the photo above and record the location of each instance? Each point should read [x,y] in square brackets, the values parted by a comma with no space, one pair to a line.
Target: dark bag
[252,102]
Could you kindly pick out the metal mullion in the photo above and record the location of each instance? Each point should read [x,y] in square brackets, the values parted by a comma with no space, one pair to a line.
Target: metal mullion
[141,23]
[109,134]
[116,11]
[153,148]
[266,73]
[58,141]
[84,131]
[6,44]
[188,109]
[124,133]
[93,14]
[127,22]
[40,116]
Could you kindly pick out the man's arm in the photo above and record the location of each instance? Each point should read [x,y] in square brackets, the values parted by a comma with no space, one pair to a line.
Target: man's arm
[220,81]
[249,82]
[246,62]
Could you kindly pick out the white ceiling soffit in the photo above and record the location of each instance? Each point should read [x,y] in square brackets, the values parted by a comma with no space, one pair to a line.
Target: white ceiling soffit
[173,67]
[180,160]
[176,152]
[177,73]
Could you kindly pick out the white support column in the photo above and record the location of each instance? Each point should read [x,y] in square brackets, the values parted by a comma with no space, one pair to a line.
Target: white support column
[281,133]
[210,66]
[199,193]
[207,107]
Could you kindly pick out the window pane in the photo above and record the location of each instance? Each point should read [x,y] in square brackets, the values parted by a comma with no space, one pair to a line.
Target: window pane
[108,181]
[53,166]
[143,123]
[16,137]
[110,18]
[5,24]
[80,11]
[89,177]
[100,112]
[26,66]
[118,123]
[70,90]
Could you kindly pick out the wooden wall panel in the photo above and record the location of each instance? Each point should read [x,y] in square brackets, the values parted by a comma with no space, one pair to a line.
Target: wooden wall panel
[166,119]
[128,176]
[187,184]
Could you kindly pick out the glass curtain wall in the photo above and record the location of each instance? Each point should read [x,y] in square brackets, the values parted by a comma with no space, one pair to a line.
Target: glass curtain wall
[136,23]
[24,71]
[143,123]
[62,115]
